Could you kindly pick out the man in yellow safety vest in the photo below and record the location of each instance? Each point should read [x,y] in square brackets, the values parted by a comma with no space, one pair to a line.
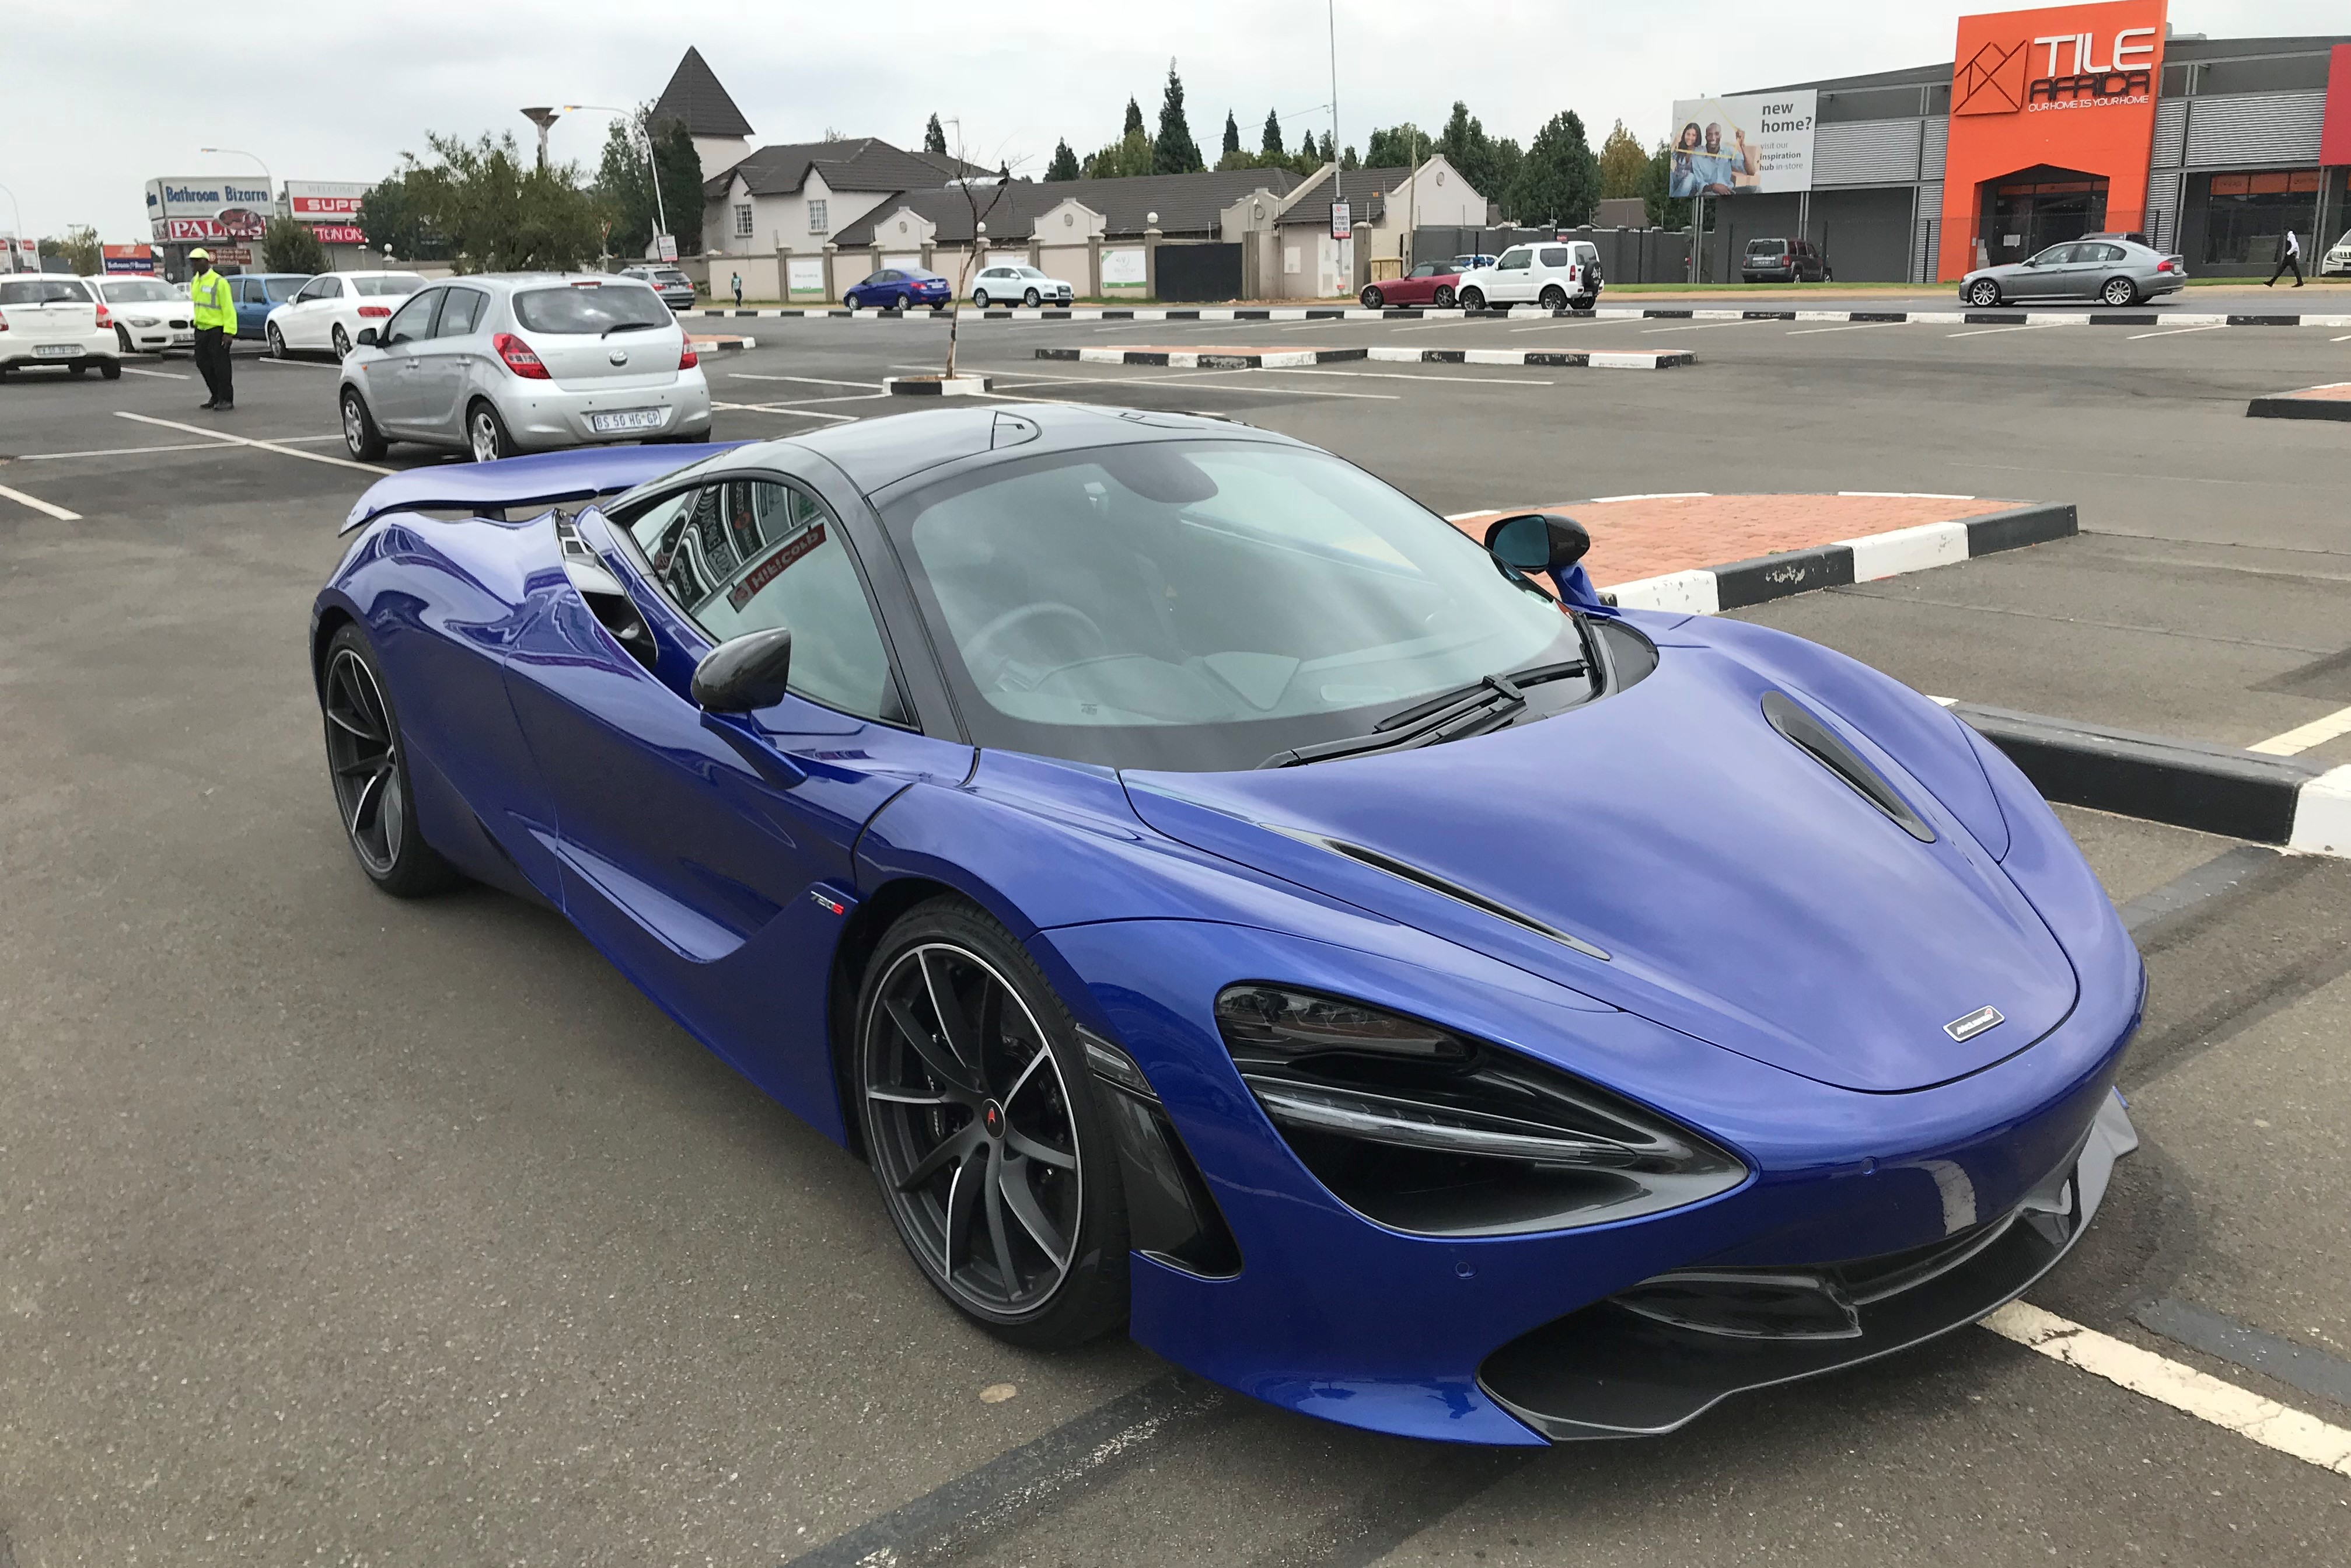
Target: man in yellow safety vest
[216,320]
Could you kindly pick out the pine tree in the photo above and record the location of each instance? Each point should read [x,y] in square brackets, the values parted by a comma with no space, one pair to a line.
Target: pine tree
[934,137]
[1270,146]
[1064,165]
[1559,182]
[1133,121]
[1232,134]
[1174,151]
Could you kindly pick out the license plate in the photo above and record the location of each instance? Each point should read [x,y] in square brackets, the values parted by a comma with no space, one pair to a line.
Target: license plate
[183,336]
[57,350]
[626,419]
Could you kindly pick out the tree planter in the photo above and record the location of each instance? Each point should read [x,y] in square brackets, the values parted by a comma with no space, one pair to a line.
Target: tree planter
[935,386]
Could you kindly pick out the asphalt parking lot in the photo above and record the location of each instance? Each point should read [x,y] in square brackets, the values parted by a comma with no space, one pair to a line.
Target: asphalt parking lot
[344,1229]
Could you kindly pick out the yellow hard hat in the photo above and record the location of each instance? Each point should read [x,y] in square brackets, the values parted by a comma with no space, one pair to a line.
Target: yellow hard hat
[200,253]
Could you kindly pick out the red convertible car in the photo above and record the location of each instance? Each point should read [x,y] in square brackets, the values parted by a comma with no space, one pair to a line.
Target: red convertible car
[1430,283]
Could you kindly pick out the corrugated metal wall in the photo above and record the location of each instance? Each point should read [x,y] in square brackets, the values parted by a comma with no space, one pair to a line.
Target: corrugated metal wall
[1925,229]
[2254,128]
[1865,152]
[1937,144]
[2170,132]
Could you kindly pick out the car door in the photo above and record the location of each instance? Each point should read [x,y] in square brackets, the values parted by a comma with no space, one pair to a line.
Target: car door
[1514,276]
[445,364]
[252,305]
[309,325]
[2048,273]
[396,375]
[710,856]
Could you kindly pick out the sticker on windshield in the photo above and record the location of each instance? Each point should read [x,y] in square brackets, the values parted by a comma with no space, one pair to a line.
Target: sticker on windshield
[774,567]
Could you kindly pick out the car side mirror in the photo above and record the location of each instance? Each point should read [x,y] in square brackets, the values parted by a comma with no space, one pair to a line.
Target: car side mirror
[367,338]
[745,674]
[1538,541]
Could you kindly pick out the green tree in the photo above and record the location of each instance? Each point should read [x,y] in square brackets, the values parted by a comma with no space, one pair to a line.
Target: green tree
[1232,136]
[1064,165]
[393,213]
[1348,160]
[680,182]
[1559,180]
[292,247]
[626,189]
[1622,163]
[1270,147]
[1470,151]
[1507,158]
[1128,156]
[80,247]
[934,137]
[1133,121]
[1655,181]
[1174,151]
[501,213]
[1396,147]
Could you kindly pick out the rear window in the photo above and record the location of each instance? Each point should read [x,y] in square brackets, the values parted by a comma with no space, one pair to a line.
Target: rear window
[41,291]
[593,308]
[389,284]
[673,275]
[1766,247]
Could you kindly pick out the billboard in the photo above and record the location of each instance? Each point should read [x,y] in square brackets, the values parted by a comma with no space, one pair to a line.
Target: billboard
[315,201]
[183,230]
[135,258]
[203,196]
[340,233]
[1755,144]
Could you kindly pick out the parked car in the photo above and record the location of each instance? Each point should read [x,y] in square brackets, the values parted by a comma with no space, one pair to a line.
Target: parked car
[900,288]
[1008,283]
[1783,261]
[258,293]
[327,313]
[1561,277]
[1472,262]
[149,315]
[2337,259]
[510,363]
[56,321]
[675,289]
[2118,272]
[1430,283]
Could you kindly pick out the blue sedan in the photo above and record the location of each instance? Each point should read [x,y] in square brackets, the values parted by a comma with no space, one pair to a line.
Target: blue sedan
[259,293]
[1222,903]
[901,288]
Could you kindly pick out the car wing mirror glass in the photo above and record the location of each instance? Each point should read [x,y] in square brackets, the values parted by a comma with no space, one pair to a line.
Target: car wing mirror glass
[367,337]
[1538,541]
[745,674]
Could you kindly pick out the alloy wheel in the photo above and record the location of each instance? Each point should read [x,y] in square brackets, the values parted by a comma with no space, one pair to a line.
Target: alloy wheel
[342,344]
[364,753]
[1030,298]
[277,343]
[354,426]
[483,427]
[973,1132]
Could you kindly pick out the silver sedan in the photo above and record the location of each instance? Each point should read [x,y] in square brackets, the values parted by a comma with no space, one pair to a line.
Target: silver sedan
[2114,271]
[505,363]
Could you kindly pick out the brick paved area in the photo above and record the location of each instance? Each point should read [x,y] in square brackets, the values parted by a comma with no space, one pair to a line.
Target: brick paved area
[1647,536]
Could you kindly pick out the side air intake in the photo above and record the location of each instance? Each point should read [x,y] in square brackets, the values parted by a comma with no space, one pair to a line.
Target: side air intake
[1829,750]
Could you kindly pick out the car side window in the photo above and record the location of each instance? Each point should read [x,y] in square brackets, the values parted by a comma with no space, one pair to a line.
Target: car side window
[1514,259]
[2108,253]
[463,313]
[313,289]
[746,554]
[413,321]
[1558,255]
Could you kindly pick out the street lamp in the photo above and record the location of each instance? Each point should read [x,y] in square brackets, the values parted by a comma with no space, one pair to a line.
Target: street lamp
[545,120]
[651,170]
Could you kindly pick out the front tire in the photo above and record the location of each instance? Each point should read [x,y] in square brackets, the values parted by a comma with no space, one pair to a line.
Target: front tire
[361,439]
[342,344]
[1371,298]
[277,343]
[1031,300]
[2119,291]
[1473,300]
[1983,293]
[485,435]
[981,1121]
[368,764]
[979,297]
[123,336]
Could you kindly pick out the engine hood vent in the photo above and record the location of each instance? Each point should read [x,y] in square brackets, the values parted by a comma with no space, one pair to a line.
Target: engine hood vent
[1435,884]
[1829,750]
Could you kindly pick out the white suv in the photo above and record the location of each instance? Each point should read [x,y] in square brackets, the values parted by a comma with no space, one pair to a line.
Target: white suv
[53,320]
[1561,275]
[1010,284]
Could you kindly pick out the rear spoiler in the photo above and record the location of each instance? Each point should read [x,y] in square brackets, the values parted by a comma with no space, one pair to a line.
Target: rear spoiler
[543,479]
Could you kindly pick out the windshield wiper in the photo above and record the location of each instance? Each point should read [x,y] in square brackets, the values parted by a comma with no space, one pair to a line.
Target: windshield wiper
[628,327]
[1488,704]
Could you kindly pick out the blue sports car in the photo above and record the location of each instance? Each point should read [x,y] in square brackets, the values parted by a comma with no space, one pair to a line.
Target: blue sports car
[1222,901]
[900,288]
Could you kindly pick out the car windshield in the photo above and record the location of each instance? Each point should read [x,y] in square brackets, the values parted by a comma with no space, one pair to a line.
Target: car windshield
[138,291]
[593,308]
[1204,604]
[384,285]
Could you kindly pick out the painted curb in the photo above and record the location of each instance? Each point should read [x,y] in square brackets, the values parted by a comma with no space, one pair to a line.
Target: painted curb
[2186,783]
[1207,358]
[1287,359]
[1707,591]
[1579,359]
[1995,317]
[2296,405]
[930,386]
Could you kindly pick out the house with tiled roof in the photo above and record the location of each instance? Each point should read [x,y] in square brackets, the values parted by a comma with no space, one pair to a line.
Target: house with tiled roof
[799,196]
[693,98]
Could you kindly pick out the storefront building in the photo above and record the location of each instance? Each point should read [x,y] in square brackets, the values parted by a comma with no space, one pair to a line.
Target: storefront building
[228,216]
[2067,121]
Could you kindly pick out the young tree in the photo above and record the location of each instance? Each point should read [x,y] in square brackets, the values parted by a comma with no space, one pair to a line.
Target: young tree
[1397,147]
[1559,180]
[1349,162]
[1174,151]
[627,189]
[393,214]
[1064,165]
[80,247]
[292,247]
[1232,136]
[1133,121]
[1655,181]
[680,172]
[501,212]
[1270,147]
[1622,161]
[934,137]
[1129,155]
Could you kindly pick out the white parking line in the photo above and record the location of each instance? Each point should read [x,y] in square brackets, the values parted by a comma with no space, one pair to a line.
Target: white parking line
[2168,1382]
[139,451]
[1848,327]
[1694,327]
[1657,496]
[293,364]
[813,381]
[51,507]
[159,375]
[225,438]
[780,409]
[1987,331]
[1195,378]
[2317,732]
[1555,326]
[2175,331]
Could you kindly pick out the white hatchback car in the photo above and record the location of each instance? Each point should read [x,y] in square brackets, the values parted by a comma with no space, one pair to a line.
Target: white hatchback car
[1013,285]
[328,312]
[149,315]
[53,321]
[501,364]
[1564,275]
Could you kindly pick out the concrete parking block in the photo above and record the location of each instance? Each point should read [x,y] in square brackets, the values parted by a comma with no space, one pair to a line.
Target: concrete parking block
[2332,400]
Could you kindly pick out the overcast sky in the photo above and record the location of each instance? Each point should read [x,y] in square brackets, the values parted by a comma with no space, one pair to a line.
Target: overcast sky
[103,97]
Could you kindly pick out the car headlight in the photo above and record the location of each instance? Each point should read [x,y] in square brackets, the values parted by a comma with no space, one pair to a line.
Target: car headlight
[1429,1131]
[142,321]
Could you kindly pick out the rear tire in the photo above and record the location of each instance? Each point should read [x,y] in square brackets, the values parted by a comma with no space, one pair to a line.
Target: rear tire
[342,344]
[111,370]
[2119,291]
[1554,298]
[367,762]
[905,302]
[78,372]
[1443,298]
[361,439]
[1371,298]
[486,433]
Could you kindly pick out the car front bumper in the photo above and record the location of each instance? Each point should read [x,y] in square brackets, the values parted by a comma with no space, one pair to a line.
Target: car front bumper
[540,416]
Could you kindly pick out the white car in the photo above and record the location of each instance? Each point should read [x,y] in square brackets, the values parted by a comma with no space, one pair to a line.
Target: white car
[1564,275]
[2337,259]
[328,312]
[48,320]
[1013,285]
[149,315]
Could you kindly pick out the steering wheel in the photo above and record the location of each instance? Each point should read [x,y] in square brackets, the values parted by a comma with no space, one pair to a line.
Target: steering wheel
[986,661]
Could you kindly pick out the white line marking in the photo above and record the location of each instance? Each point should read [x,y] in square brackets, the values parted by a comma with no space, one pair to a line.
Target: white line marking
[137,451]
[779,409]
[2175,331]
[294,364]
[1906,495]
[159,375]
[2344,339]
[813,381]
[2197,1394]
[227,439]
[1658,496]
[51,507]
[1987,331]
[807,402]
[1694,327]
[1197,378]
[2317,732]
[1400,376]
[1848,327]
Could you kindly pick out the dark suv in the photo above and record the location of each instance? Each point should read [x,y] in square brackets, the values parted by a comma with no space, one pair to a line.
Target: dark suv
[1783,261]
